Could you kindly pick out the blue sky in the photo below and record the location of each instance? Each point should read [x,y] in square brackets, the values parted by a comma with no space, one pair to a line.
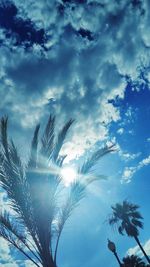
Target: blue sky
[87,60]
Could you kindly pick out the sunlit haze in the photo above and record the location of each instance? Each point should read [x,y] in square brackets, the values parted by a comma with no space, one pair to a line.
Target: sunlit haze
[68,175]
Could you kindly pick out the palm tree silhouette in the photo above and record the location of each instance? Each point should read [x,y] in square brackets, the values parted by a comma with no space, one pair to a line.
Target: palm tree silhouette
[128,220]
[35,192]
[133,261]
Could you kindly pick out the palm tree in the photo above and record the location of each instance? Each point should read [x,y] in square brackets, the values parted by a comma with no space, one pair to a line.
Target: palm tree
[35,192]
[133,261]
[128,220]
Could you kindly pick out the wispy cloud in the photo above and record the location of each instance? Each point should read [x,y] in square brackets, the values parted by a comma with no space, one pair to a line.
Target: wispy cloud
[136,250]
[129,172]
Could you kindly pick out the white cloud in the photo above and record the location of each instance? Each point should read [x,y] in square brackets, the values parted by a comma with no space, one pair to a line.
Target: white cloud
[128,156]
[28,263]
[4,201]
[79,74]
[147,247]
[4,250]
[128,174]
[120,131]
[144,162]
[136,250]
[8,256]
[130,171]
[82,140]
[6,259]
[125,156]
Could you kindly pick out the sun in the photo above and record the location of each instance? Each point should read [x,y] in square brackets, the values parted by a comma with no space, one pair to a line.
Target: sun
[68,175]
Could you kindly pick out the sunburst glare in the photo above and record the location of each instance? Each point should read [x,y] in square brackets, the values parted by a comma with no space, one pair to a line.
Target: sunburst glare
[68,175]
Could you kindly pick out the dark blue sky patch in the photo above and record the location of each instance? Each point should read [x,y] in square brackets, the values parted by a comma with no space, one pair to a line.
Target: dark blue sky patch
[69,33]
[75,1]
[86,34]
[23,31]
[61,9]
[135,116]
[137,3]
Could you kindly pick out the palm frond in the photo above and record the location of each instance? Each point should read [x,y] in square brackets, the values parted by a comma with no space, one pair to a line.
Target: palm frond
[77,193]
[16,229]
[48,139]
[61,138]
[113,220]
[12,226]
[16,162]
[133,260]
[129,218]
[121,229]
[91,161]
[11,176]
[33,154]
[136,214]
[4,138]
[60,160]
[11,238]
[88,179]
[13,181]
[137,223]
[130,205]
[33,191]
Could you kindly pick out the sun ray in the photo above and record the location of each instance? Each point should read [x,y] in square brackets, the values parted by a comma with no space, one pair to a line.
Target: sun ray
[68,175]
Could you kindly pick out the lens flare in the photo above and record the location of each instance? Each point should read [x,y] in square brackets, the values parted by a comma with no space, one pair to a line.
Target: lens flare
[68,175]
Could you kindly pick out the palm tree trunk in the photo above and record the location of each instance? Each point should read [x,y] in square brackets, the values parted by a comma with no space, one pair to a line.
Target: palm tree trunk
[49,264]
[138,242]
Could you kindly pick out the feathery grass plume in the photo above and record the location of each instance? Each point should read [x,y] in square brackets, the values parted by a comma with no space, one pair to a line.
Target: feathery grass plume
[35,192]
